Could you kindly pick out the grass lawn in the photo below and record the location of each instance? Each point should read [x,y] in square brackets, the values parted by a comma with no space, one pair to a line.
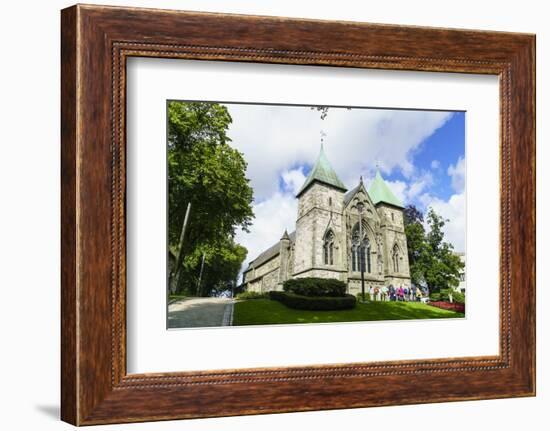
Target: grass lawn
[266,311]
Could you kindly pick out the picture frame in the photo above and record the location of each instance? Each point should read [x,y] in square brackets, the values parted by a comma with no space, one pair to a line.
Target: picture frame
[96,42]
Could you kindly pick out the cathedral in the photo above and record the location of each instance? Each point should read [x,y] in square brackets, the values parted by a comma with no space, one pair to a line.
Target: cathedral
[338,234]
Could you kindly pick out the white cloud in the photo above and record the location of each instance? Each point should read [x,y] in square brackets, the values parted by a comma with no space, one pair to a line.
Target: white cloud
[278,141]
[273,140]
[435,164]
[277,138]
[457,173]
[409,192]
[399,189]
[294,180]
[273,216]
[455,211]
[418,185]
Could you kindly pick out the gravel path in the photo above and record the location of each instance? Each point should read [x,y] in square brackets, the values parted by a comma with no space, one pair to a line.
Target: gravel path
[200,313]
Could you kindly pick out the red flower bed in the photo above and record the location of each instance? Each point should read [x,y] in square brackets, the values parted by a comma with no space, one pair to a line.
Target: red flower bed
[455,306]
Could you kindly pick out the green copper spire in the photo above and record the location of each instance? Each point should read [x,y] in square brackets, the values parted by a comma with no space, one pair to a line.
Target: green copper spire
[380,192]
[322,172]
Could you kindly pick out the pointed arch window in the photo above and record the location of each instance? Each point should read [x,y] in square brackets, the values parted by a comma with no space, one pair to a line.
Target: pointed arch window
[328,248]
[360,249]
[395,258]
[367,256]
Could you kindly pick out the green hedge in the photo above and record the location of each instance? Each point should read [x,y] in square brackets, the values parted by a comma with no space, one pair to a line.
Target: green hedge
[251,295]
[315,287]
[302,302]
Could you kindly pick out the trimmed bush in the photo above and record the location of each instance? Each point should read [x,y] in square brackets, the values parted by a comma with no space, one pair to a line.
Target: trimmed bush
[315,287]
[444,296]
[360,297]
[457,297]
[251,295]
[302,302]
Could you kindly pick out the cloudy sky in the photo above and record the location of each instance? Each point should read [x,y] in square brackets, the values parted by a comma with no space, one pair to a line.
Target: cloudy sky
[420,154]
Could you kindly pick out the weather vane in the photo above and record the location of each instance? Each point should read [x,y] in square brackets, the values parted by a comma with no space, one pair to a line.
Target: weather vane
[323,134]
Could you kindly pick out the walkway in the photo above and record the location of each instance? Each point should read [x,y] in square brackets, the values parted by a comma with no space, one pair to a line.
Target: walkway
[200,313]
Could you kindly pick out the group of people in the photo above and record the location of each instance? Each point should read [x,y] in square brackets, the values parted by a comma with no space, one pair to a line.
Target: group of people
[391,293]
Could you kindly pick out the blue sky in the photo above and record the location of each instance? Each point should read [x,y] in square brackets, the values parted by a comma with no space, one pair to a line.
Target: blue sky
[439,151]
[419,153]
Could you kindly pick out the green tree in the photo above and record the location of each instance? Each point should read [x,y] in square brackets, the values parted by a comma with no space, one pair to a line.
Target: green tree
[431,258]
[446,267]
[416,244]
[222,263]
[206,172]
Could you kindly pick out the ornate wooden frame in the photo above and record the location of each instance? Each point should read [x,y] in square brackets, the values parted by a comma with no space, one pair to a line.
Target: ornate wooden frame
[95,43]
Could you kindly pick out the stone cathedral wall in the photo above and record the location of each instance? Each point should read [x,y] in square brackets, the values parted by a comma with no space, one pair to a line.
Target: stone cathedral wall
[321,207]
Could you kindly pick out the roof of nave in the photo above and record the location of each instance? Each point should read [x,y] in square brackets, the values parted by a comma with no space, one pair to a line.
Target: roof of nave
[270,253]
[349,195]
[324,173]
[379,191]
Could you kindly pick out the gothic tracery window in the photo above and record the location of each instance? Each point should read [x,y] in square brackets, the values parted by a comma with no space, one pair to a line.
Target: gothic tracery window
[328,248]
[356,257]
[360,250]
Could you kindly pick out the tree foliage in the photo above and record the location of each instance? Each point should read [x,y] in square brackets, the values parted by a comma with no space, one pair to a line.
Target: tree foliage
[204,171]
[431,259]
[222,263]
[416,245]
[323,110]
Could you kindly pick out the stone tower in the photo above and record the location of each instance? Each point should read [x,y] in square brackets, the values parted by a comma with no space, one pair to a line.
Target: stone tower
[320,239]
[390,211]
[284,253]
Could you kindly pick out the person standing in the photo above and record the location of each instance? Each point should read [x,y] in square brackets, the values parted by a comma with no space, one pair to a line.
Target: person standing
[400,293]
[384,293]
